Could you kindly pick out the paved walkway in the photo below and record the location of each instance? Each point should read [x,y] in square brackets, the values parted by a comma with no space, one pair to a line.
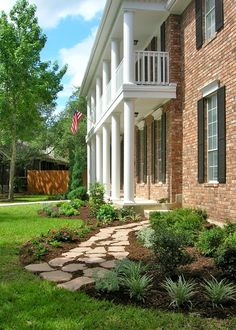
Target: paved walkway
[32,203]
[97,255]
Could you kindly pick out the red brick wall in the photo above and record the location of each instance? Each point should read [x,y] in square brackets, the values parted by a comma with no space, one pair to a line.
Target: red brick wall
[215,60]
[173,110]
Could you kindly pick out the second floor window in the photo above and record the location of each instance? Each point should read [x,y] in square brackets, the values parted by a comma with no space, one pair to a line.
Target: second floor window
[212,138]
[210,18]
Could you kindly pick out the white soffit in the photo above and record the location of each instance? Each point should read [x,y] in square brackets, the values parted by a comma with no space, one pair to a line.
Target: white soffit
[177,6]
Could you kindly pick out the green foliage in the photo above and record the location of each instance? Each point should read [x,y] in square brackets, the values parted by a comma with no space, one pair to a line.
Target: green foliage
[96,198]
[67,210]
[78,193]
[138,286]
[134,217]
[180,292]
[129,268]
[225,258]
[210,240]
[39,249]
[51,211]
[65,234]
[124,213]
[106,213]
[110,282]
[55,244]
[219,292]
[77,203]
[146,237]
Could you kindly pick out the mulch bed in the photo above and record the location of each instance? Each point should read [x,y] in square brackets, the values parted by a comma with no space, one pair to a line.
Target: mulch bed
[200,268]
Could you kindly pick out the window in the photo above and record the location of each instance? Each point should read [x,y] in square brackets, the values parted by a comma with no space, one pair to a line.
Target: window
[159,151]
[141,154]
[210,26]
[209,16]
[212,139]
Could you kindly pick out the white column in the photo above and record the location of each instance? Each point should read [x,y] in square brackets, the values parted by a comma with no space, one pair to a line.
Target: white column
[98,157]
[115,59]
[88,114]
[128,151]
[105,81]
[98,97]
[106,158]
[93,105]
[128,40]
[88,165]
[115,156]
[93,160]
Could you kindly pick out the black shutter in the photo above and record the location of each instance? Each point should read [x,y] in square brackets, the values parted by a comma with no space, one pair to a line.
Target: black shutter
[221,135]
[163,147]
[198,18]
[153,152]
[138,155]
[163,37]
[219,7]
[145,154]
[201,139]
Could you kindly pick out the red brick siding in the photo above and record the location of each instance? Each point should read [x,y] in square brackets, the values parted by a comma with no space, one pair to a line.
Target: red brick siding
[215,60]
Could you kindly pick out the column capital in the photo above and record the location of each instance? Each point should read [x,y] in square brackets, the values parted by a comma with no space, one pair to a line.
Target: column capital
[141,125]
[157,114]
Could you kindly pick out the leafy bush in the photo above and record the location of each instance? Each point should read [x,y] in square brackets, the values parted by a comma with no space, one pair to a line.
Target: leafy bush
[124,212]
[225,258]
[78,193]
[129,268]
[146,237]
[210,240]
[55,244]
[62,235]
[110,282]
[106,213]
[219,292]
[180,292]
[51,211]
[67,210]
[77,203]
[96,198]
[138,286]
[39,249]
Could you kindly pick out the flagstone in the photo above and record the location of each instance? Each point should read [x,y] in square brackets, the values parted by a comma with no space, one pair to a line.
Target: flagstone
[95,272]
[56,276]
[119,255]
[108,264]
[59,262]
[80,249]
[99,249]
[71,268]
[73,255]
[92,260]
[38,268]
[86,244]
[95,255]
[116,249]
[120,243]
[76,283]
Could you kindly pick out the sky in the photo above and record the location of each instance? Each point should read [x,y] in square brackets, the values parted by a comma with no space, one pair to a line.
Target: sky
[70,27]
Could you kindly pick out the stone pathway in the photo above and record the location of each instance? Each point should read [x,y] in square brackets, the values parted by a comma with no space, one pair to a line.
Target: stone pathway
[95,256]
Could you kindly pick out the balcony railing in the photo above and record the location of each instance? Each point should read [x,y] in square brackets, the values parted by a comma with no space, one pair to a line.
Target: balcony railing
[119,76]
[151,68]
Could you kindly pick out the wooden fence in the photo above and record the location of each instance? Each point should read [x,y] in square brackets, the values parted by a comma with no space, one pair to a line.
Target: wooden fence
[47,182]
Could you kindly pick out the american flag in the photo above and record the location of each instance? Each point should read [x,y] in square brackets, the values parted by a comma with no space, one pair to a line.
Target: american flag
[75,121]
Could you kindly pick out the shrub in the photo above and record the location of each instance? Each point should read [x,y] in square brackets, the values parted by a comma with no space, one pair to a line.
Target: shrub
[124,212]
[129,268]
[55,244]
[225,257]
[168,245]
[210,240]
[78,193]
[179,292]
[219,292]
[146,237]
[229,228]
[63,235]
[110,282]
[77,203]
[39,249]
[67,210]
[106,213]
[138,286]
[96,198]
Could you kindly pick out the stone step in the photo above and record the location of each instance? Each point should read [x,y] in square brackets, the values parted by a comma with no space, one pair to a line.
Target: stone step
[148,212]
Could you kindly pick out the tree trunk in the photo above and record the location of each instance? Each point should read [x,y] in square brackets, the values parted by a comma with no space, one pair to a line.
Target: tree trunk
[12,168]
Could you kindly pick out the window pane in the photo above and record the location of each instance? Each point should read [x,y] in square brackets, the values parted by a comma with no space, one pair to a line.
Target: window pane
[212,138]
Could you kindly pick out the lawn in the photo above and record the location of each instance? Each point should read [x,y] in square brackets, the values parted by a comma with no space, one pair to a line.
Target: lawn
[25,198]
[26,302]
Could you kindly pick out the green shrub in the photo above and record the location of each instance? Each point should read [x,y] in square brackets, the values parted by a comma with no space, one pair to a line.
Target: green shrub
[138,286]
[219,292]
[78,193]
[55,244]
[225,257]
[146,237]
[110,282]
[96,198]
[124,213]
[62,235]
[210,240]
[39,249]
[129,268]
[106,213]
[77,203]
[180,292]
[229,228]
[67,210]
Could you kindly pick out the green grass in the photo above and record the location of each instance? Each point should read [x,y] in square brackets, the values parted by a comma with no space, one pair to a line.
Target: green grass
[25,198]
[27,302]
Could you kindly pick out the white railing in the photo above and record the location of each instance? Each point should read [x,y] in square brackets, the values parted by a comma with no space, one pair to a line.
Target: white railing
[119,76]
[151,68]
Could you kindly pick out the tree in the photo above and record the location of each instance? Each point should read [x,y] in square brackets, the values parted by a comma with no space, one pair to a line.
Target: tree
[28,86]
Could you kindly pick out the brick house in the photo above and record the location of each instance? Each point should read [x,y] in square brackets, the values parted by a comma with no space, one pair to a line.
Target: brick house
[161,92]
